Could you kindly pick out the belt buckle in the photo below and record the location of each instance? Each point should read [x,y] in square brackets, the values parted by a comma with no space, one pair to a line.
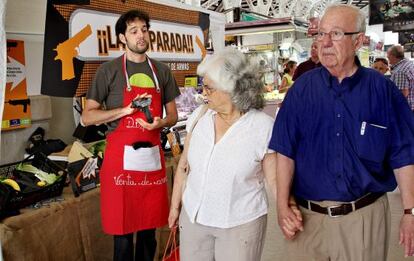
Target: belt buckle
[330,211]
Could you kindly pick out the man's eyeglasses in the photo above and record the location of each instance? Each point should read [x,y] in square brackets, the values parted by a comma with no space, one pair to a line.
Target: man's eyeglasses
[334,35]
[208,89]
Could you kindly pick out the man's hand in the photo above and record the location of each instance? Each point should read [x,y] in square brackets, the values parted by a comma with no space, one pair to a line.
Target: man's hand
[128,110]
[156,124]
[290,220]
[407,234]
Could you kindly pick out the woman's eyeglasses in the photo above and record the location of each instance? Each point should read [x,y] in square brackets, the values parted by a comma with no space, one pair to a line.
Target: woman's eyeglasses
[208,89]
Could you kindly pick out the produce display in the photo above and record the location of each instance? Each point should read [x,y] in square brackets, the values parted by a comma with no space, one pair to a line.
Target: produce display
[98,148]
[27,178]
[27,182]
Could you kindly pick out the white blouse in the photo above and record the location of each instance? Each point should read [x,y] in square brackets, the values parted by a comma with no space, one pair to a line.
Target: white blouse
[225,186]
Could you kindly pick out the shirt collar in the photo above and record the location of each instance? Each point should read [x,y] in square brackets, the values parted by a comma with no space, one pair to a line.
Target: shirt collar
[352,80]
[393,67]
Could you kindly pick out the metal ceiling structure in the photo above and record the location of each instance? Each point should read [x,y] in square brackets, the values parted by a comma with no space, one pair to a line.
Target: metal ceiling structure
[278,8]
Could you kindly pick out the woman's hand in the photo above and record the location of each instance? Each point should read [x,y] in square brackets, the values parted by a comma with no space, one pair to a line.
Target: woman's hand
[290,221]
[173,217]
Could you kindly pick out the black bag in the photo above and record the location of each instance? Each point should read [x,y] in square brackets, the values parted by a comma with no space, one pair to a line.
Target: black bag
[11,200]
[90,133]
[37,144]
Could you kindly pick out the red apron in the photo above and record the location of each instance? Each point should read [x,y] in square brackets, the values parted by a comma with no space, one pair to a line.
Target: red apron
[133,182]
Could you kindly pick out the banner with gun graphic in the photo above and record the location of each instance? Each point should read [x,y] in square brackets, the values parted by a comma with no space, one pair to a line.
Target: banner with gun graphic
[16,112]
[81,36]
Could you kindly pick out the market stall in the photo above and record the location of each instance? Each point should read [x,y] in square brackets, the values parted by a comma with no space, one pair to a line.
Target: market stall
[271,42]
[54,88]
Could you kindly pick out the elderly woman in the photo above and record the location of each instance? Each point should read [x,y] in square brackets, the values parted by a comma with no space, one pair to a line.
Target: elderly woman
[224,204]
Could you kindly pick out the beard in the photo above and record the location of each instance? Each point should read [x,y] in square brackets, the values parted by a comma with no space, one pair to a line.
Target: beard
[134,48]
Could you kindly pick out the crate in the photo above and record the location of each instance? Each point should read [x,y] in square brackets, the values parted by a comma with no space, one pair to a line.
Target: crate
[14,200]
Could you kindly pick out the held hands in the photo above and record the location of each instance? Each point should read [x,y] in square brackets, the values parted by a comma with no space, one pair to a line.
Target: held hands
[290,219]
[407,234]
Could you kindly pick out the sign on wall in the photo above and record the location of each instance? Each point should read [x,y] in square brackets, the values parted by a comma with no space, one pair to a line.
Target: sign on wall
[16,112]
[78,38]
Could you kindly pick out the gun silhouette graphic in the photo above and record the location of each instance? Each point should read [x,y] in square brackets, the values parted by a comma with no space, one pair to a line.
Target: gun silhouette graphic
[24,102]
[66,51]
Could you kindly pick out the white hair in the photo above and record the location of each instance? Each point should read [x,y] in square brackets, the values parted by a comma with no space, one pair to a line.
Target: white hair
[360,24]
[232,72]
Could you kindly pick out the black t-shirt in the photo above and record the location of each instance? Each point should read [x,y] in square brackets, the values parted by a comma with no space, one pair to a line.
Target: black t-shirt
[109,83]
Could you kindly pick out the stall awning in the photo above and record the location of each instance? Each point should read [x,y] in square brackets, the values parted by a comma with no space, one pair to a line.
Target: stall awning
[263,26]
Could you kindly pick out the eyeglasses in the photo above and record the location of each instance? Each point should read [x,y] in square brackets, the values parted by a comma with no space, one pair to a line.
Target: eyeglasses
[334,35]
[208,89]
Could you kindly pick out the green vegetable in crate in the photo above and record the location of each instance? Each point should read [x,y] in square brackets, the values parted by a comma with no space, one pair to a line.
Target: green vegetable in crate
[98,148]
[49,178]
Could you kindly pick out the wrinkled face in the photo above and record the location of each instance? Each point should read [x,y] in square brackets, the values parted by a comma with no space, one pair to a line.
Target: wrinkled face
[136,36]
[335,54]
[215,98]
[380,66]
[391,58]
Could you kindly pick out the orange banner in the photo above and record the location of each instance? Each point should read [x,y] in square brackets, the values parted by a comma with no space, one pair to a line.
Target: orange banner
[16,112]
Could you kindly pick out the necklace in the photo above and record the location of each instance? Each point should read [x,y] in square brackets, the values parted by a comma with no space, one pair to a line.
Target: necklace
[230,122]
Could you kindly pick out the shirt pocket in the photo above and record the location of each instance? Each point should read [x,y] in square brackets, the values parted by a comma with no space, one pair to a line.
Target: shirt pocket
[372,141]
[142,159]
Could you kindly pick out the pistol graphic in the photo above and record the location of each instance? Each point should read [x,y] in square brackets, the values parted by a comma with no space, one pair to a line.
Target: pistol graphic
[66,51]
[24,102]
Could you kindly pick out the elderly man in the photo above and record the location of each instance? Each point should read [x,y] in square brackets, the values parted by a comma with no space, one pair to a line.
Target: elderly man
[309,64]
[344,138]
[402,72]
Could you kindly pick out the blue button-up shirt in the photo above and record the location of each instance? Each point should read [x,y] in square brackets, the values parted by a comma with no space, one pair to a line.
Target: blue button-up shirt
[345,138]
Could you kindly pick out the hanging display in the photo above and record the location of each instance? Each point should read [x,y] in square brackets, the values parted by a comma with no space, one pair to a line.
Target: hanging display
[16,112]
[396,15]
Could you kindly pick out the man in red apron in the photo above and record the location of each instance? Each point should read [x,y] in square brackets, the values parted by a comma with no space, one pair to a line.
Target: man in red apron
[133,181]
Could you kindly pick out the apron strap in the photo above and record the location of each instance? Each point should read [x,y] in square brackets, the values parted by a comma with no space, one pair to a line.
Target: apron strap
[153,69]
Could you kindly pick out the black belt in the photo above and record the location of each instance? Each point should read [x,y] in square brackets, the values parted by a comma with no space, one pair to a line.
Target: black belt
[343,209]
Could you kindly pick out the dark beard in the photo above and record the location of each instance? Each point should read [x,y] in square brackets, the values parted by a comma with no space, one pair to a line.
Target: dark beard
[137,50]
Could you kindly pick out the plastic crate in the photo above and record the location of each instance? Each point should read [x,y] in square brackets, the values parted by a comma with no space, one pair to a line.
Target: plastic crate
[14,200]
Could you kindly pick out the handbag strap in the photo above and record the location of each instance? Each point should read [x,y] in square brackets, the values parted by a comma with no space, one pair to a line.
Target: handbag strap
[202,112]
[171,243]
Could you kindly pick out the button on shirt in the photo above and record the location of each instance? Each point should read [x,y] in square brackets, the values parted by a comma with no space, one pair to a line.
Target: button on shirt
[345,138]
[225,185]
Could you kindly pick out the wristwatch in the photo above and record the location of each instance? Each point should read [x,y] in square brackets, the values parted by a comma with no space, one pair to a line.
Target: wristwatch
[409,211]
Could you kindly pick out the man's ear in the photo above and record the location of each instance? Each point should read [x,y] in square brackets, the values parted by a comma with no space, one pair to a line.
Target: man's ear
[359,41]
[122,38]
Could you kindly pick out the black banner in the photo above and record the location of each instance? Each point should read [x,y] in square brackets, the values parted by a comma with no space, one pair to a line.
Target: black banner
[57,32]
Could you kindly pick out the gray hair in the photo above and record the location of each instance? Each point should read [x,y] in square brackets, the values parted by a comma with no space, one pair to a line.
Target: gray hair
[359,15]
[232,72]
[397,51]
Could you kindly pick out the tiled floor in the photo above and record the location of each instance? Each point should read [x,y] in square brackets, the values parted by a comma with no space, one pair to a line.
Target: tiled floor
[273,249]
